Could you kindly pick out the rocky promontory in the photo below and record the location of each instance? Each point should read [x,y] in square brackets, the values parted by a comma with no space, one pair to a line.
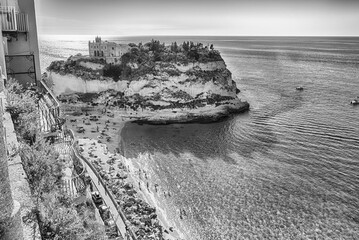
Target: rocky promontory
[160,84]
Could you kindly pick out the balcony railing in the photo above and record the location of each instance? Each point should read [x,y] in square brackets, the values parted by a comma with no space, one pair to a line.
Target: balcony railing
[12,20]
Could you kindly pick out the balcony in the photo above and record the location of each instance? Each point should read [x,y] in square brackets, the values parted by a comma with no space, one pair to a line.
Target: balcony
[13,21]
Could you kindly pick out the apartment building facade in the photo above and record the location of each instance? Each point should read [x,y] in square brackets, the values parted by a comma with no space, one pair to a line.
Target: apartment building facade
[20,40]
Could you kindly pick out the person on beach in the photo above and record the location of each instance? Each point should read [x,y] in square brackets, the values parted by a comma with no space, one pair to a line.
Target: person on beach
[139,185]
[148,186]
[156,185]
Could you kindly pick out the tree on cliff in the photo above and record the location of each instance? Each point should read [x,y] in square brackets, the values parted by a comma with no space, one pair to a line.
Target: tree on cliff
[174,47]
[185,46]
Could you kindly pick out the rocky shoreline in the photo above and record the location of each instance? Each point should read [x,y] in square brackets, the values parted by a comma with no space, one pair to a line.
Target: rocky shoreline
[192,118]
[115,172]
[98,142]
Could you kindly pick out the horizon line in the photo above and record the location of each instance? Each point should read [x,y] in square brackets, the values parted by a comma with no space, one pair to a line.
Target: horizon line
[177,35]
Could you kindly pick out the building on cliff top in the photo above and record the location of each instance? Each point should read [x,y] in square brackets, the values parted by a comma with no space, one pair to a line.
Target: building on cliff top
[110,51]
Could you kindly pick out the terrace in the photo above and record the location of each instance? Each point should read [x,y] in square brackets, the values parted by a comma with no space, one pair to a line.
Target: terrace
[13,21]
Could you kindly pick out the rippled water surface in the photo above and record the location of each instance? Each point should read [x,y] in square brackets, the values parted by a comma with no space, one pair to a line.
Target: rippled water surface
[287,169]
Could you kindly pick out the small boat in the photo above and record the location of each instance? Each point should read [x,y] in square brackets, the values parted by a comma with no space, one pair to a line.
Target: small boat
[355,102]
[299,88]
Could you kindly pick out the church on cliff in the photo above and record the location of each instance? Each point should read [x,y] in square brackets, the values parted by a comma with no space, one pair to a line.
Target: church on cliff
[110,51]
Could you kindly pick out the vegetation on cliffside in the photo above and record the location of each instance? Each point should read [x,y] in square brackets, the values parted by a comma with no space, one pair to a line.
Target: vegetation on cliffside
[53,209]
[178,77]
[140,60]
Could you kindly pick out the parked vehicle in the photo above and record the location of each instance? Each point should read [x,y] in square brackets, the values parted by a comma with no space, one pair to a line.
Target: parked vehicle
[93,118]
[80,130]
[111,228]
[96,198]
[104,212]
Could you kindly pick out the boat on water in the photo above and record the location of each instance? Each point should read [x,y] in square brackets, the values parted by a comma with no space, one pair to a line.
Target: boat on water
[299,88]
[355,101]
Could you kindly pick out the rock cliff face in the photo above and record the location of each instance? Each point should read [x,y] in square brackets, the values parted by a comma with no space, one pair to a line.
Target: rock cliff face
[194,79]
[164,91]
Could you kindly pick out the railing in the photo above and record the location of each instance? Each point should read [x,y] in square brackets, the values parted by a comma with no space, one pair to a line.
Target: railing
[12,20]
[80,178]
[44,88]
[52,107]
[88,165]
[76,186]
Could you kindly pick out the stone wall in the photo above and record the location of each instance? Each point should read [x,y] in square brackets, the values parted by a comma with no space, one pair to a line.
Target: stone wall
[13,183]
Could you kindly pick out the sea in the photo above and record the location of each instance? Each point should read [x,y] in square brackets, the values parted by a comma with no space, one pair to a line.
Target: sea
[287,169]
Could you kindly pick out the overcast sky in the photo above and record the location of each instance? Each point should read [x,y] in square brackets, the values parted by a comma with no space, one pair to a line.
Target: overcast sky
[199,17]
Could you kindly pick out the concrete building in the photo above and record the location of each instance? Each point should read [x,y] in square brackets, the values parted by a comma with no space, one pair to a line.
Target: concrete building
[19,58]
[110,51]
[10,219]
[20,41]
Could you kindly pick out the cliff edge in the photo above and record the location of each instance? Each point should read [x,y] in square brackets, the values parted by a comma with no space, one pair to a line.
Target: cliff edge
[162,84]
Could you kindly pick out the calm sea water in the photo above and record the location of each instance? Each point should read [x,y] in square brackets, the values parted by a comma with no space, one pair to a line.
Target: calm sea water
[287,169]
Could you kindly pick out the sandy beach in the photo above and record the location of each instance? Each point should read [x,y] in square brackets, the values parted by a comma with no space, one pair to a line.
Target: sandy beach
[98,131]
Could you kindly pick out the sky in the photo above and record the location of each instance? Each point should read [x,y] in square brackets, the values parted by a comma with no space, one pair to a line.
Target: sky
[199,17]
